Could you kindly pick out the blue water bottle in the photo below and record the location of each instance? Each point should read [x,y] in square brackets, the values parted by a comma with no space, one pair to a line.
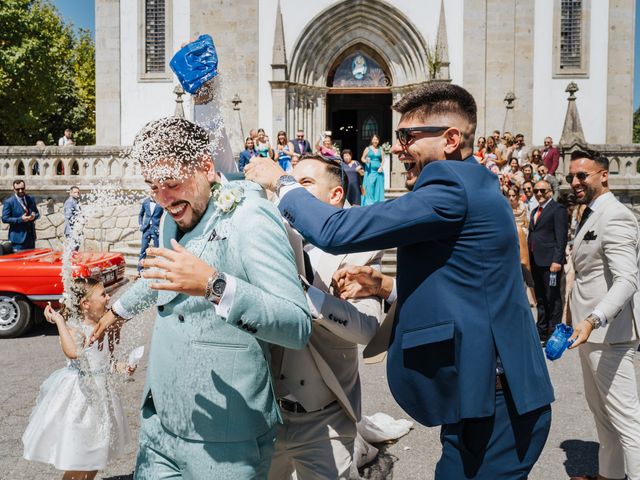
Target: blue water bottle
[196,63]
[559,341]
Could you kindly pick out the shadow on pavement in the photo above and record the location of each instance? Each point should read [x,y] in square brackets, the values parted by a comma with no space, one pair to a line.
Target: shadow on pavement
[120,477]
[381,467]
[43,328]
[582,457]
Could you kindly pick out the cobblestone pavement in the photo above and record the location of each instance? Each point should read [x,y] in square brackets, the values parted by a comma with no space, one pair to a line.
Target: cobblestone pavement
[27,361]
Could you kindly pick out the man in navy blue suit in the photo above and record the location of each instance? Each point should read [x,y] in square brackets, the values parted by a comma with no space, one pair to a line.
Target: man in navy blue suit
[149,221]
[464,352]
[20,212]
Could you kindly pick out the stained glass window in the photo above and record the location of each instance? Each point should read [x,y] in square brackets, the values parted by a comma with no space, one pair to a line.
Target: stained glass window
[360,70]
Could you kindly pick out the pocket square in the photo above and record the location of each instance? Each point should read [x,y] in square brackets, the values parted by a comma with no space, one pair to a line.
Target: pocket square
[590,235]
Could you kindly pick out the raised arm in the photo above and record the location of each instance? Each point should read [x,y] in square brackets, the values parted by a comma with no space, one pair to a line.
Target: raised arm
[434,211]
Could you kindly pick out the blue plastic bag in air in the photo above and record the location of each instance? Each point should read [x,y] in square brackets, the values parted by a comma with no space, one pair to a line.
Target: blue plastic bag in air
[196,63]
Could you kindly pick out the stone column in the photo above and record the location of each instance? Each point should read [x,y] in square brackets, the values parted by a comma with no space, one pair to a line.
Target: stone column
[108,94]
[397,168]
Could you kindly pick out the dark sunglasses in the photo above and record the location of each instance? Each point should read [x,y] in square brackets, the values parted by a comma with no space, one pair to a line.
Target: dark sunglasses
[581,176]
[540,190]
[404,134]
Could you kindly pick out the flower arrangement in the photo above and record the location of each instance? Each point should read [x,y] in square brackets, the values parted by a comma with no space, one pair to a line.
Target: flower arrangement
[226,198]
[386,148]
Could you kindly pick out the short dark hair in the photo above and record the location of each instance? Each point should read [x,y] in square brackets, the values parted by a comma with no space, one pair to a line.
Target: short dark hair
[601,160]
[74,186]
[333,168]
[527,181]
[18,182]
[170,137]
[346,150]
[519,135]
[441,98]
[438,98]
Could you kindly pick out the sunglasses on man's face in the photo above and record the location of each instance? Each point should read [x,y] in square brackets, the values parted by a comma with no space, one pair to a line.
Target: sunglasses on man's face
[581,176]
[540,190]
[404,135]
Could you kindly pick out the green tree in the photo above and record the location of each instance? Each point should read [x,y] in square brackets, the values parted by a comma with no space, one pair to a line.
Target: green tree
[45,83]
[636,126]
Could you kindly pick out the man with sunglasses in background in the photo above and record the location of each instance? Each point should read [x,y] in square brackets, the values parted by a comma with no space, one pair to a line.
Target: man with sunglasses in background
[605,309]
[548,229]
[464,353]
[20,212]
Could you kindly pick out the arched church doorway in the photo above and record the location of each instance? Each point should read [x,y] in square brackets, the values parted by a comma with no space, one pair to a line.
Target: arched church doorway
[359,99]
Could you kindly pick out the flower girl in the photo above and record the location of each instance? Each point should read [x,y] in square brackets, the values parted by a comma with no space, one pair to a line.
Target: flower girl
[78,424]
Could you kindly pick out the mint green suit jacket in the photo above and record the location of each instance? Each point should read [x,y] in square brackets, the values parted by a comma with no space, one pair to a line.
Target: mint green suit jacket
[209,376]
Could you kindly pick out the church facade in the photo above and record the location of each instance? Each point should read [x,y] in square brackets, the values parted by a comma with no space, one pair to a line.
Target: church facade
[339,65]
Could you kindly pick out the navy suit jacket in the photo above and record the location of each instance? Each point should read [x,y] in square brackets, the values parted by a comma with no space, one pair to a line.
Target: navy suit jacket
[306,147]
[20,232]
[548,236]
[461,298]
[149,221]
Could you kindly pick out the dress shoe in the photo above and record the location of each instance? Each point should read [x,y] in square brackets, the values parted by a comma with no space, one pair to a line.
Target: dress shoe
[584,477]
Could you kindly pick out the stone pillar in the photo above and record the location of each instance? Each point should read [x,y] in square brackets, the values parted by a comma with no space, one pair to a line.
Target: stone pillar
[108,93]
[396,179]
[620,71]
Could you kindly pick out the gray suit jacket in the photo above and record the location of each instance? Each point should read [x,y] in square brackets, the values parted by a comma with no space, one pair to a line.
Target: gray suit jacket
[605,256]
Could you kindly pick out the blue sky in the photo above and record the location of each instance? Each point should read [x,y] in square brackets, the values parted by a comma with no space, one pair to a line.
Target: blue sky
[81,13]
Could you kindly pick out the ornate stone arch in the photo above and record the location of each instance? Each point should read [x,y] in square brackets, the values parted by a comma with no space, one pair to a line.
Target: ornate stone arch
[347,23]
[299,86]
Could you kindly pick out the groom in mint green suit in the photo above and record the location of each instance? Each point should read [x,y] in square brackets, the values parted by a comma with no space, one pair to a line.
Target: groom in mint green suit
[225,286]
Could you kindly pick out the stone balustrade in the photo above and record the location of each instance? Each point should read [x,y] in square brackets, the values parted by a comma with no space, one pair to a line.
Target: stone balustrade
[56,168]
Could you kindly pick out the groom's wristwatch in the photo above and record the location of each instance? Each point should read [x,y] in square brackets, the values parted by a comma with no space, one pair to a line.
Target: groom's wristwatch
[284,181]
[215,287]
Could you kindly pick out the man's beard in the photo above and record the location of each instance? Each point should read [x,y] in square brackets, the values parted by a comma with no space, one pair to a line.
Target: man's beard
[589,195]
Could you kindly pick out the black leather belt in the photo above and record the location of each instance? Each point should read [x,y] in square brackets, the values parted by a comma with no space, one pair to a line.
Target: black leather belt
[295,407]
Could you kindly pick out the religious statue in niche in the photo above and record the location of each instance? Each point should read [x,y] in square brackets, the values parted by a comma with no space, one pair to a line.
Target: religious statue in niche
[359,67]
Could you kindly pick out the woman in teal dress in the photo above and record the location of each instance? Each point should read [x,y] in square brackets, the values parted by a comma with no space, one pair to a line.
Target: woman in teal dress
[373,183]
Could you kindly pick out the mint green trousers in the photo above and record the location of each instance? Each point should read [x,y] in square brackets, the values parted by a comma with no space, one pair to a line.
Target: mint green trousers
[163,455]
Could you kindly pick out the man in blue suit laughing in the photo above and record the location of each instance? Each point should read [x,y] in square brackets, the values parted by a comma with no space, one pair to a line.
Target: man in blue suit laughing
[464,352]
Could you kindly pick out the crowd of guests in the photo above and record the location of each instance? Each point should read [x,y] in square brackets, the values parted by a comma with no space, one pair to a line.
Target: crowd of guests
[365,177]
[546,220]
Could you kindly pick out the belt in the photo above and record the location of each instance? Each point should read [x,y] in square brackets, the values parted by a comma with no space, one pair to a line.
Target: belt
[501,382]
[295,407]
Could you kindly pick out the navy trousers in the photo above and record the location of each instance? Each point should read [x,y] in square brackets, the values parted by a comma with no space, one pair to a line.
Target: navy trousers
[504,446]
[146,241]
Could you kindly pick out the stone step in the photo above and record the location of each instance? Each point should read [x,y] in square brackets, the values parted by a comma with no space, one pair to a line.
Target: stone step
[389,262]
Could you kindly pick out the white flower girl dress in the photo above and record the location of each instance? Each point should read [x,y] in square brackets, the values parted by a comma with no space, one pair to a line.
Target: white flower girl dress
[78,422]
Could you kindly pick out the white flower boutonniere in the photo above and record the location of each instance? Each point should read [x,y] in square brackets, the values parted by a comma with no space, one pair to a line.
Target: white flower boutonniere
[226,198]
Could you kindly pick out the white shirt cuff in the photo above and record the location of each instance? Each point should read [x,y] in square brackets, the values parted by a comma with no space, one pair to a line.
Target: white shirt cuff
[315,299]
[394,293]
[601,316]
[121,311]
[226,301]
[287,188]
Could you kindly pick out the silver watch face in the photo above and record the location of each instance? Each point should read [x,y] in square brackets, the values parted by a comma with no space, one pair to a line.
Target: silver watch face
[218,286]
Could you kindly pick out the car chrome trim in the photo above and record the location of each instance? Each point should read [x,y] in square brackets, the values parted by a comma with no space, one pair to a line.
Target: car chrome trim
[43,298]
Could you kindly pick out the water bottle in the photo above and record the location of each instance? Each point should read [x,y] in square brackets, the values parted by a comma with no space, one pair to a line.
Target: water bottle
[196,63]
[559,341]
[553,278]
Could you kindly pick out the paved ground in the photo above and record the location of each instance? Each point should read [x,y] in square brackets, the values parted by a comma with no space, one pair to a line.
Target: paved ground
[27,361]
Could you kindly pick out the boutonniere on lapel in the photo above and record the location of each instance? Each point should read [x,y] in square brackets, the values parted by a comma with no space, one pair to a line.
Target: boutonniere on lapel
[590,235]
[226,198]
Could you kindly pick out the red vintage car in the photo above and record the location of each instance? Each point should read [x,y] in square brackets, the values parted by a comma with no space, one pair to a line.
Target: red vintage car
[31,278]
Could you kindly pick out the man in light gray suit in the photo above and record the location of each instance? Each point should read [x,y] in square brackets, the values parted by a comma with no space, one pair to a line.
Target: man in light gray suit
[318,387]
[605,307]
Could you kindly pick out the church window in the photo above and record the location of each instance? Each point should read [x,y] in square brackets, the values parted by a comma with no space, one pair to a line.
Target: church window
[369,128]
[155,30]
[571,36]
[154,35]
[359,70]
